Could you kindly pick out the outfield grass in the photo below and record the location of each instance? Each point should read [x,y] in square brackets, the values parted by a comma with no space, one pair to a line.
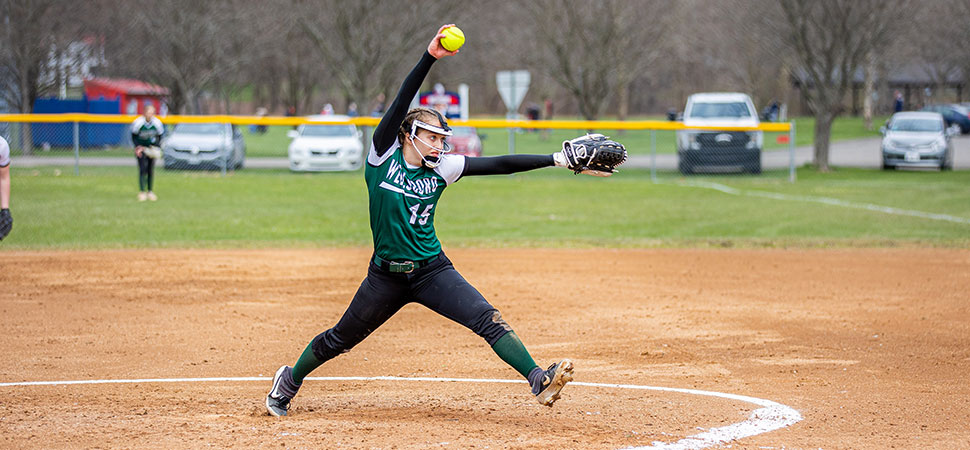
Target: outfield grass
[544,208]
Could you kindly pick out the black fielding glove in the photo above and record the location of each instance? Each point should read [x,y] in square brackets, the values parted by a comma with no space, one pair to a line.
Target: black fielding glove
[592,154]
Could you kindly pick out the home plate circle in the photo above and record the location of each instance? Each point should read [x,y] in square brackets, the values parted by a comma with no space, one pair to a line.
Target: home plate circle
[769,417]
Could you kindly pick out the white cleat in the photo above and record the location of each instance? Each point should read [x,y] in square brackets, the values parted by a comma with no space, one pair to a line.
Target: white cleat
[553,380]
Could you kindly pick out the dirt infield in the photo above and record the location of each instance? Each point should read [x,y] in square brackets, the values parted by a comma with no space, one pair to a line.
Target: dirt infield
[871,346]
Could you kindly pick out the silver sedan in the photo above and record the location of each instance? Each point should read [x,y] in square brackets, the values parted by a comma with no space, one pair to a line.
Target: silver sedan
[917,139]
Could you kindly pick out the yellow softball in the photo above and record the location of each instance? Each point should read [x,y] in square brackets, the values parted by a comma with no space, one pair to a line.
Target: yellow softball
[453,40]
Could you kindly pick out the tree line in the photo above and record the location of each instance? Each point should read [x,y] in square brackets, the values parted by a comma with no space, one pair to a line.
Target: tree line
[593,59]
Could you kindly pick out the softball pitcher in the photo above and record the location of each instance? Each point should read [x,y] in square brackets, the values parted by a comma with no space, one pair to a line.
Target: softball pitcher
[408,167]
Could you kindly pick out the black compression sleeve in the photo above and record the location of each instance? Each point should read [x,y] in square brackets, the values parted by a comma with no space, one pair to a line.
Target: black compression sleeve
[504,165]
[386,131]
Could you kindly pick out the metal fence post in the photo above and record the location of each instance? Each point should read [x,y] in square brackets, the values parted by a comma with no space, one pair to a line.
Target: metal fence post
[791,152]
[511,141]
[77,149]
[653,155]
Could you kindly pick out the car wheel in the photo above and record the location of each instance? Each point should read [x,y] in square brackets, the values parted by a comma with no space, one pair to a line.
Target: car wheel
[754,166]
[886,166]
[685,168]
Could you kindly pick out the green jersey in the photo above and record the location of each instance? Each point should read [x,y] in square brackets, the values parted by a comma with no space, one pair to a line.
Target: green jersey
[403,201]
[146,133]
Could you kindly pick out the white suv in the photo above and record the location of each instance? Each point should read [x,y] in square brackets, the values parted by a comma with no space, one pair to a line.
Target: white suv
[720,151]
[325,147]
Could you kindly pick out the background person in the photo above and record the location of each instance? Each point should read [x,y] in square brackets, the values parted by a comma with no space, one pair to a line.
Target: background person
[378,106]
[146,135]
[6,220]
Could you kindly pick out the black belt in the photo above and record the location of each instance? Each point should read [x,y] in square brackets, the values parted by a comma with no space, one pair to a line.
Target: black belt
[403,266]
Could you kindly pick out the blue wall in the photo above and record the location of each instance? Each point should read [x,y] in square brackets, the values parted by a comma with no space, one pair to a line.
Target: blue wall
[91,135]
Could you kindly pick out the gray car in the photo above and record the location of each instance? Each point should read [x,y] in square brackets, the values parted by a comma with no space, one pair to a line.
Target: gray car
[917,139]
[207,146]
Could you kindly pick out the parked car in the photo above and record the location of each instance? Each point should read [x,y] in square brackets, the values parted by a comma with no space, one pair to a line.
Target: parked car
[953,115]
[465,141]
[325,147]
[917,139]
[720,151]
[210,146]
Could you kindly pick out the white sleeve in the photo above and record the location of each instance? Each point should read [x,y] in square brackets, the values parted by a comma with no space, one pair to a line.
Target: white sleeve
[4,152]
[136,125]
[375,160]
[451,167]
[158,124]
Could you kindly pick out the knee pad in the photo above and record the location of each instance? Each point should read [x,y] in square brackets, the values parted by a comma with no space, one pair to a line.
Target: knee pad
[491,326]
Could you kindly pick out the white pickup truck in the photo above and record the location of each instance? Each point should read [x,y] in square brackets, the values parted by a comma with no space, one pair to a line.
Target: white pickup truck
[714,151]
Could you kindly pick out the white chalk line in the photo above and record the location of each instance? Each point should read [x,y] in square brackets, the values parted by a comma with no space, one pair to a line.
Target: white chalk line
[771,416]
[829,201]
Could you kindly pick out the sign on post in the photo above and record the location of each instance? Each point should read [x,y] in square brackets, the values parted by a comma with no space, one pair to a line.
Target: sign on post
[512,86]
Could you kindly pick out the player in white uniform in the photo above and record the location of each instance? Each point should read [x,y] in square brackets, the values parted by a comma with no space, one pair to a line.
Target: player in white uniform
[6,220]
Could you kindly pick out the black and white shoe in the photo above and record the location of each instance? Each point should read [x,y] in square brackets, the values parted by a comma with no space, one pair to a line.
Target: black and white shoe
[547,387]
[278,402]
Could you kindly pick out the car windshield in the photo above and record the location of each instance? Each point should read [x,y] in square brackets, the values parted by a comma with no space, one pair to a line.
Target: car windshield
[960,109]
[329,131]
[200,128]
[932,125]
[714,110]
[463,131]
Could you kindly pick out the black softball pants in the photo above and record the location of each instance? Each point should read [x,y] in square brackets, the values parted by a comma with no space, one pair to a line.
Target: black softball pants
[146,173]
[438,286]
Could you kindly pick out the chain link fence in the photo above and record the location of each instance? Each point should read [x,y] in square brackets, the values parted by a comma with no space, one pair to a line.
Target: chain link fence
[224,144]
[193,146]
[668,150]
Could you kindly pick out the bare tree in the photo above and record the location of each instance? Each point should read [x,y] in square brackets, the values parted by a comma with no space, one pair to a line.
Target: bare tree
[365,44]
[33,31]
[831,40]
[942,53]
[962,11]
[594,50]
[185,45]
[744,54]
[645,29]
[298,70]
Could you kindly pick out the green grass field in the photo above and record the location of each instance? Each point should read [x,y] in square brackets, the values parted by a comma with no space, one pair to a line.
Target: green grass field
[544,208]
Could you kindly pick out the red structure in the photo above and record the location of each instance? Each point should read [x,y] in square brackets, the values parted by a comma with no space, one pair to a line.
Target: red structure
[133,95]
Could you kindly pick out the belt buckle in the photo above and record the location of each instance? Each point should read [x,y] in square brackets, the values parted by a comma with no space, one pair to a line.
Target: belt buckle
[401,267]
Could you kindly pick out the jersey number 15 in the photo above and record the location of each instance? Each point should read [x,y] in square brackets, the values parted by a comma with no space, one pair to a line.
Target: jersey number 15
[423,216]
